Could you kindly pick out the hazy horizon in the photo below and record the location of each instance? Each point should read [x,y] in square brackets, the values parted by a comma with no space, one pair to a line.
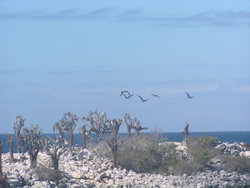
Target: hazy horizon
[77,56]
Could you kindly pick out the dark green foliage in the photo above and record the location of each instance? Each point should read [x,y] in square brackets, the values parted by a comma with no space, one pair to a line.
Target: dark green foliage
[46,174]
[236,163]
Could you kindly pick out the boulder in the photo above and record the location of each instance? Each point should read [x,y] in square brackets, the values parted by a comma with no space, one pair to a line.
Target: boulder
[245,153]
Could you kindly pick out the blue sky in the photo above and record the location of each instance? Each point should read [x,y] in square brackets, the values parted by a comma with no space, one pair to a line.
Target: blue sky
[60,56]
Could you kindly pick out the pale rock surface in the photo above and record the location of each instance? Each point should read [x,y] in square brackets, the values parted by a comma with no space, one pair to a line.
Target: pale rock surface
[80,168]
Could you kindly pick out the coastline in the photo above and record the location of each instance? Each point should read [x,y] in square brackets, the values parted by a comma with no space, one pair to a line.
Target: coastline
[82,168]
[223,136]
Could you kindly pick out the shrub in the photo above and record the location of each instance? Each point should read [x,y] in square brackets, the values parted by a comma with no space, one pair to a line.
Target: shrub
[236,163]
[202,148]
[46,174]
[144,154]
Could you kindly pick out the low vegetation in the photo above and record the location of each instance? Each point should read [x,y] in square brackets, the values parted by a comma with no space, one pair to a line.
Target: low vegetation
[144,154]
[46,174]
[140,154]
[201,150]
[236,163]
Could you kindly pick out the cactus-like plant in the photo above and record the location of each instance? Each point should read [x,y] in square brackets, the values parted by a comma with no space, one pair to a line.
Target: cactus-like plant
[10,144]
[113,128]
[18,124]
[96,123]
[66,125]
[32,138]
[133,124]
[129,123]
[85,134]
[55,148]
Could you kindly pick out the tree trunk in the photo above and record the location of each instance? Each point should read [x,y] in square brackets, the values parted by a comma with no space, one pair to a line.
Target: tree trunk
[33,160]
[98,137]
[10,144]
[70,138]
[11,154]
[18,143]
[11,149]
[114,152]
[84,138]
[137,132]
[55,162]
[1,149]
[129,131]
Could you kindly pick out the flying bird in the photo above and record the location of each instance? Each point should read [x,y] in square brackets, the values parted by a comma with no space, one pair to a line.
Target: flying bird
[142,99]
[129,95]
[123,92]
[188,95]
[157,96]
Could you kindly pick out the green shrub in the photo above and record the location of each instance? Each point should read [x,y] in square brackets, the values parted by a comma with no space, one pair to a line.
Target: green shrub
[202,148]
[46,174]
[138,153]
[236,163]
[144,154]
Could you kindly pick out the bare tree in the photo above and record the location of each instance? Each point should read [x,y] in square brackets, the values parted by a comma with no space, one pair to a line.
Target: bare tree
[10,144]
[55,148]
[18,124]
[129,123]
[67,125]
[133,123]
[1,150]
[57,127]
[137,126]
[113,128]
[186,132]
[96,123]
[32,137]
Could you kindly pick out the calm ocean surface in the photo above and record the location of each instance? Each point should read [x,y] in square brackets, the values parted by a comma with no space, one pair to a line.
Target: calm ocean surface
[178,137]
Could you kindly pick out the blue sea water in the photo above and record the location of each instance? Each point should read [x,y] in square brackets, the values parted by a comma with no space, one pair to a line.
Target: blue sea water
[177,137]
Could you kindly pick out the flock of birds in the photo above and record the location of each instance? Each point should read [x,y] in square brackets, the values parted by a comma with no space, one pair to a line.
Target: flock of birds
[128,95]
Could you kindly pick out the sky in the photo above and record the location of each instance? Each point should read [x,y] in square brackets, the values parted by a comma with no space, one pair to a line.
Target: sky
[77,56]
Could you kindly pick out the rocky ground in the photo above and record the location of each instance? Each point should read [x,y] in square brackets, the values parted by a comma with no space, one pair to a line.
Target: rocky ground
[80,168]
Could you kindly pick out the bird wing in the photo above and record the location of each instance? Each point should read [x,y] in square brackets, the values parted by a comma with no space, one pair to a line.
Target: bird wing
[155,95]
[187,94]
[140,97]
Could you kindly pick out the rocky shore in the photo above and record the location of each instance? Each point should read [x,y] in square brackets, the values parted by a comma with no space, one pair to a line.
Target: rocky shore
[81,168]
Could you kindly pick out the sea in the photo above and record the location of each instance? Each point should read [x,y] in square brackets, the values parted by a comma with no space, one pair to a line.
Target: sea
[231,137]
